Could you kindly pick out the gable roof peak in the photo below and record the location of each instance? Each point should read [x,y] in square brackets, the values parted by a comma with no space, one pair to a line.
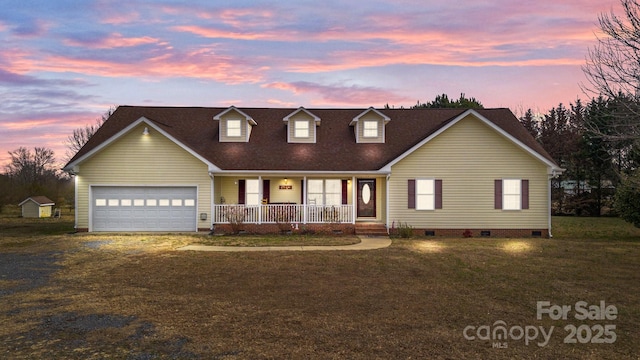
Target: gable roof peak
[370,109]
[233,108]
[302,109]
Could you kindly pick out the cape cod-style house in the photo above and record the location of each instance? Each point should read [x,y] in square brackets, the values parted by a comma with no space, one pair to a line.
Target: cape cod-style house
[441,171]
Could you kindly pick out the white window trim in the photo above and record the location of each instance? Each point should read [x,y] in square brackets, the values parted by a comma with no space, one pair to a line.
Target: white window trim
[297,127]
[431,205]
[505,195]
[255,194]
[365,129]
[239,128]
[324,193]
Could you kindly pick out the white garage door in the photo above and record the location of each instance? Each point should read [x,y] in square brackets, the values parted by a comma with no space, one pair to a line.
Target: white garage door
[123,208]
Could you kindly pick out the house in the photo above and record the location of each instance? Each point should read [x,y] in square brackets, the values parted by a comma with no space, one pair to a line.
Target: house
[442,171]
[36,207]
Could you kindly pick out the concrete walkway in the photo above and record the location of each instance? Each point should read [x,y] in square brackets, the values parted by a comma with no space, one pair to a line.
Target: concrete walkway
[366,243]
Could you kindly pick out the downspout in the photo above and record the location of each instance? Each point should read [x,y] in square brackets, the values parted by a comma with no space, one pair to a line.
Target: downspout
[386,217]
[553,174]
[75,190]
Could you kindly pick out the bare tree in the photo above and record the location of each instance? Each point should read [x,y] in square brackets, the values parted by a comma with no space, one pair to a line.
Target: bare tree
[613,71]
[81,135]
[27,167]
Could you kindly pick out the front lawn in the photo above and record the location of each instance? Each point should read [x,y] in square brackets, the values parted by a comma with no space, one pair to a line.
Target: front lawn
[118,296]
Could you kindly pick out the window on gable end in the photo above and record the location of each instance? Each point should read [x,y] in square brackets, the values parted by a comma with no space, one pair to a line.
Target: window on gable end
[301,128]
[234,128]
[511,194]
[425,194]
[370,128]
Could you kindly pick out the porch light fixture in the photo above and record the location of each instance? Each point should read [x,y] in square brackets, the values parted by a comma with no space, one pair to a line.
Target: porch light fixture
[286,180]
[146,131]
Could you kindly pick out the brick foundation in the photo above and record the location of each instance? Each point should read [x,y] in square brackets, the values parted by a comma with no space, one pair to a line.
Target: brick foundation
[331,229]
[499,233]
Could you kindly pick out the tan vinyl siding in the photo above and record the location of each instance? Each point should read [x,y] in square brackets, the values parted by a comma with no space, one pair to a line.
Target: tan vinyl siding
[228,189]
[468,157]
[301,116]
[141,160]
[371,116]
[245,127]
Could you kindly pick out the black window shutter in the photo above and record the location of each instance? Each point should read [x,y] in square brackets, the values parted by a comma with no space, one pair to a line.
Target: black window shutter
[438,190]
[241,191]
[301,191]
[266,190]
[411,194]
[525,194]
[497,196]
[344,192]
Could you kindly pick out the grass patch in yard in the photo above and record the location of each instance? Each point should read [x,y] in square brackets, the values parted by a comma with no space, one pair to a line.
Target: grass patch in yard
[588,229]
[278,240]
[133,296]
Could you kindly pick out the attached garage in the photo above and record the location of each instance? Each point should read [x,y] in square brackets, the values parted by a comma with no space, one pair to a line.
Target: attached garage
[143,208]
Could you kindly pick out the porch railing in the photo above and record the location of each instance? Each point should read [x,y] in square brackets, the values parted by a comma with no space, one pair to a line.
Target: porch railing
[282,213]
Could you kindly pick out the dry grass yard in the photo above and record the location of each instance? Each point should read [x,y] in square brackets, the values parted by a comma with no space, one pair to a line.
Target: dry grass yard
[96,296]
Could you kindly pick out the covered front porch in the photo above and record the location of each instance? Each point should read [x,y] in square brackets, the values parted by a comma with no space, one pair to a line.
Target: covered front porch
[298,200]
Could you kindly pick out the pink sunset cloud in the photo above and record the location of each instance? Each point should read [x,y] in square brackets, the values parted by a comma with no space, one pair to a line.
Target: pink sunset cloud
[114,40]
[61,64]
[352,95]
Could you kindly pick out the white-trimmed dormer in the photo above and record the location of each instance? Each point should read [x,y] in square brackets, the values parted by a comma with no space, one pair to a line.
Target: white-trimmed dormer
[369,126]
[235,125]
[301,126]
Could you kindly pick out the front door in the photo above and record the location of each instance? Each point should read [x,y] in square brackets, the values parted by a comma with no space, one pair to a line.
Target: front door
[366,198]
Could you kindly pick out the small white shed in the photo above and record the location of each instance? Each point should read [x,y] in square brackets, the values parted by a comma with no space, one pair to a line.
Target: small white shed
[37,207]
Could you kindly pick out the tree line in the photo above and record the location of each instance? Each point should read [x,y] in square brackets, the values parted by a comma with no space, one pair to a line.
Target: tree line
[595,166]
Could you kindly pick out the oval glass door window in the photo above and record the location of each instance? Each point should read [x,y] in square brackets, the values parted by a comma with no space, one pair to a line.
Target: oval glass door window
[366,193]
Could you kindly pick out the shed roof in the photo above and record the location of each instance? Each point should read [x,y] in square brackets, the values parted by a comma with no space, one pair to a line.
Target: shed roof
[40,200]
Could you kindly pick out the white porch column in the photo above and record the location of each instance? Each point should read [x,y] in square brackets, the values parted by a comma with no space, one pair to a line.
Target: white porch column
[213,200]
[386,215]
[304,200]
[260,197]
[354,198]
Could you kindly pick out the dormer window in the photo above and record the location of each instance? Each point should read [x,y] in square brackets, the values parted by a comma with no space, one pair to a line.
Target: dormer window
[301,129]
[301,126]
[370,128]
[235,125]
[234,128]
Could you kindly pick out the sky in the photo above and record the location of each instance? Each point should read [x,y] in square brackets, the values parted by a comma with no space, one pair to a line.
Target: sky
[64,63]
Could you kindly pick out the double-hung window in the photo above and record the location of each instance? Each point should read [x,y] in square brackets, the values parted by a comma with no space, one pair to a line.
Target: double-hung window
[301,128]
[511,194]
[234,128]
[425,194]
[324,192]
[252,191]
[370,128]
